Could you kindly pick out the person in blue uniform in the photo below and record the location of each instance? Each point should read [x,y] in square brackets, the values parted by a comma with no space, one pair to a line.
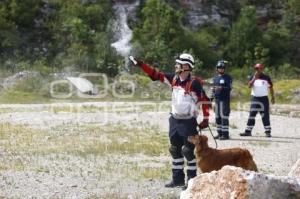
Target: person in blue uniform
[221,91]
[260,84]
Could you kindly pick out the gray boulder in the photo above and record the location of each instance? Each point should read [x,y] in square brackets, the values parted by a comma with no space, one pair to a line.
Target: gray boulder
[234,182]
[295,171]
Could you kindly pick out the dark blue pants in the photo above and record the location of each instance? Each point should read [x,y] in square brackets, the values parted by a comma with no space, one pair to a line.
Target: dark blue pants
[261,105]
[178,134]
[222,111]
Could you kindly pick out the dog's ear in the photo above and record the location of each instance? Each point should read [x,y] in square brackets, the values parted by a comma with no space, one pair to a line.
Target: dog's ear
[203,139]
[193,139]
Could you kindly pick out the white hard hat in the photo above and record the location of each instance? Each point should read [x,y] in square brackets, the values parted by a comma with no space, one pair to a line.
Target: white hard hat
[186,59]
[222,64]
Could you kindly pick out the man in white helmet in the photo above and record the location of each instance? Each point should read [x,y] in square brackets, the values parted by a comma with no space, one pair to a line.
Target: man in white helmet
[187,97]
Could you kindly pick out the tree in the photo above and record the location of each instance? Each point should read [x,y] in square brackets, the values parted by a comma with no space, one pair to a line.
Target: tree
[81,35]
[290,21]
[60,33]
[160,21]
[278,39]
[19,28]
[205,46]
[243,37]
[159,33]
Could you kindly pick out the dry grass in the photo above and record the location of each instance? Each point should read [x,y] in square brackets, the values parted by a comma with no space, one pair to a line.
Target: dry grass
[264,144]
[84,141]
[124,108]
[132,154]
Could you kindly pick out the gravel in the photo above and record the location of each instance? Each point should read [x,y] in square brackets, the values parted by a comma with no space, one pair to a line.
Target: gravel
[70,176]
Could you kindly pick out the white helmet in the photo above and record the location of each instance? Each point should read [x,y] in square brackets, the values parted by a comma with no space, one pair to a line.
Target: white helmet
[186,59]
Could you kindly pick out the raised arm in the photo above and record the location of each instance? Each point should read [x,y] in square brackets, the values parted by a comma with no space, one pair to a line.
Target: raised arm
[252,80]
[152,73]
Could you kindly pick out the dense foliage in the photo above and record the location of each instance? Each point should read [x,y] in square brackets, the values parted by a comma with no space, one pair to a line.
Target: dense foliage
[245,41]
[54,34]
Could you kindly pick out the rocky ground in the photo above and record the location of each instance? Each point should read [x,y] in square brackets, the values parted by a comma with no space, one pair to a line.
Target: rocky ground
[115,150]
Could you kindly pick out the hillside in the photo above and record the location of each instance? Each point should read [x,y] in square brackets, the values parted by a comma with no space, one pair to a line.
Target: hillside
[51,36]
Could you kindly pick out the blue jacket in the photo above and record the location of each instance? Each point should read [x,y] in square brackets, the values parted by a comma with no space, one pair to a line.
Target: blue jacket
[225,81]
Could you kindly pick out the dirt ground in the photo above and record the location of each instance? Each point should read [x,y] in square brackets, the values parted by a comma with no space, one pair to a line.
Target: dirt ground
[116,149]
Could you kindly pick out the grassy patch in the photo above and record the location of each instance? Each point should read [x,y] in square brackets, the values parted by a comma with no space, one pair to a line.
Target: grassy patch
[133,154]
[260,143]
[23,97]
[283,89]
[114,139]
[285,85]
[73,108]
[156,173]
[124,87]
[57,109]
[125,153]
[37,90]
[19,138]
[77,109]
[142,172]
[83,140]
[240,92]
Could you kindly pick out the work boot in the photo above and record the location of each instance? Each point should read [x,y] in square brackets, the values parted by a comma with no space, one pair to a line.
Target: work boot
[224,137]
[268,134]
[173,184]
[245,134]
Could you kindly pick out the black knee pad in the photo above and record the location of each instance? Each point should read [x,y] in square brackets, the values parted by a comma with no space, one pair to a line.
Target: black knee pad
[175,152]
[188,153]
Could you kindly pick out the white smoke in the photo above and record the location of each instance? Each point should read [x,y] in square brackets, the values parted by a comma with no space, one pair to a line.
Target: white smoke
[121,29]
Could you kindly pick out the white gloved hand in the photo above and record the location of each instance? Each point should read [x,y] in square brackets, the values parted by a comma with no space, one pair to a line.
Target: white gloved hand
[133,60]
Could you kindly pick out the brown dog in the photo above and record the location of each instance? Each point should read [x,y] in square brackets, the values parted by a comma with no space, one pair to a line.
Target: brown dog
[209,159]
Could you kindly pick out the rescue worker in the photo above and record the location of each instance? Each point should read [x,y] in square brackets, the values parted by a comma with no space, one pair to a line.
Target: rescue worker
[221,89]
[260,84]
[187,97]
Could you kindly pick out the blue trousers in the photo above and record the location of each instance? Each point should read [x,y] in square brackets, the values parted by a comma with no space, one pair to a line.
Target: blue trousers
[222,111]
[178,133]
[261,105]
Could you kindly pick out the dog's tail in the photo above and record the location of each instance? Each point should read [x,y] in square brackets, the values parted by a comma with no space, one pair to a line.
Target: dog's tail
[251,164]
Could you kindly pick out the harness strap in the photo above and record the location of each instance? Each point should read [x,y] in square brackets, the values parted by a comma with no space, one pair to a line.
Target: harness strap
[188,85]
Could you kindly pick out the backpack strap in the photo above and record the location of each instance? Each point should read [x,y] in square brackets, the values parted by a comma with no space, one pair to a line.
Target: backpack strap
[188,86]
[174,80]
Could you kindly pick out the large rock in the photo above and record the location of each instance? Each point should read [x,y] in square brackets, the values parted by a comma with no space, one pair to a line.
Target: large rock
[295,171]
[233,182]
[199,13]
